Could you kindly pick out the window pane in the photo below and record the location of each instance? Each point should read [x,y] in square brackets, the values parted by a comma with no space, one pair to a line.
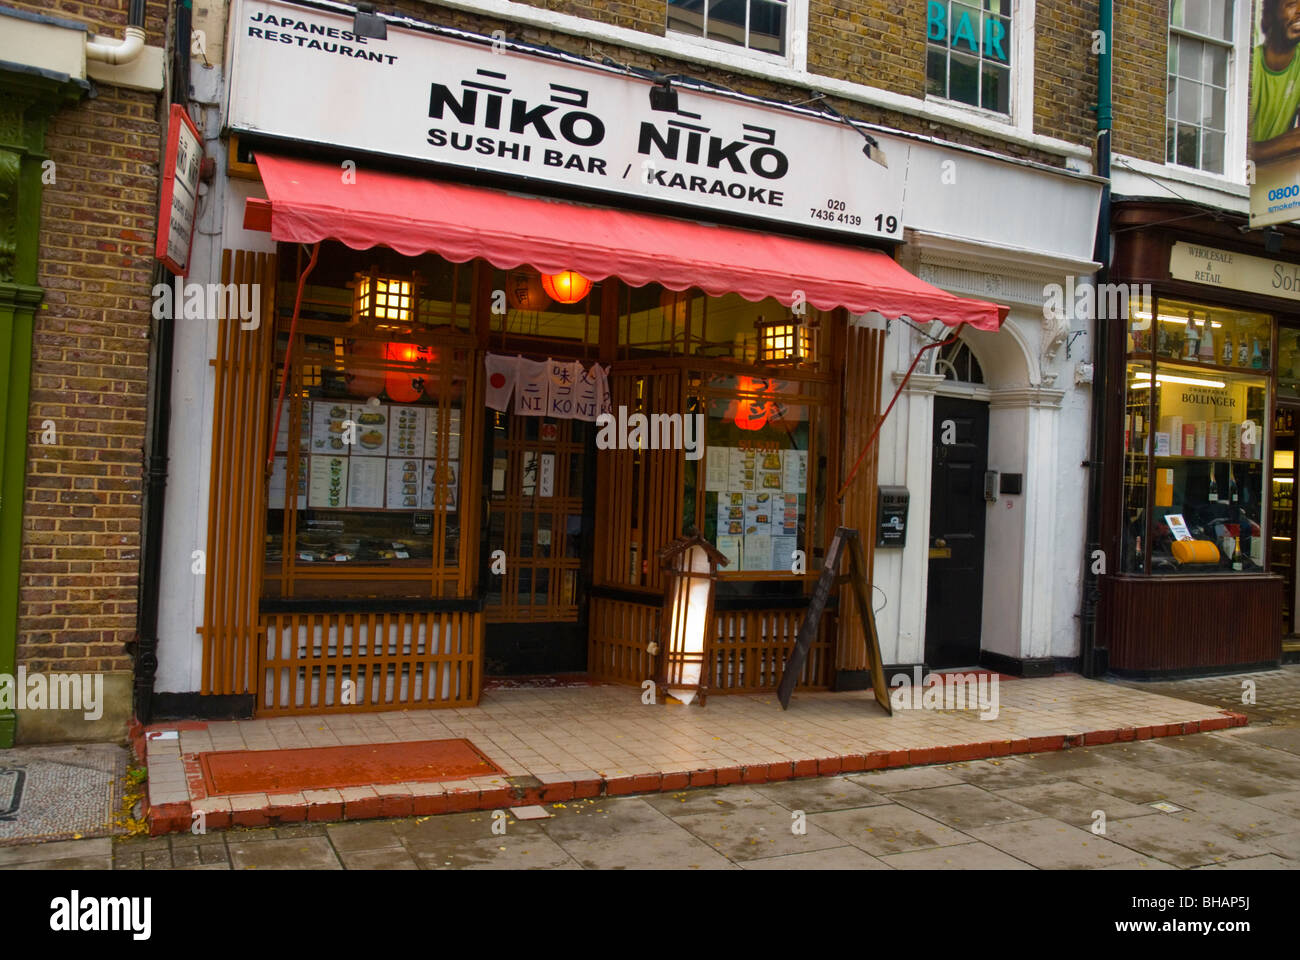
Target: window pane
[1171,98]
[1173,55]
[1196,15]
[727,21]
[1212,151]
[1189,101]
[963,80]
[1186,150]
[996,94]
[1176,13]
[1189,57]
[936,72]
[996,39]
[1218,66]
[1213,104]
[1221,19]
[1170,129]
[965,23]
[686,16]
[767,26]
[998,6]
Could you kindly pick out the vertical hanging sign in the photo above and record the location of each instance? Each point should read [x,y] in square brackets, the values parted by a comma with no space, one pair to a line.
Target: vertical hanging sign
[180,189]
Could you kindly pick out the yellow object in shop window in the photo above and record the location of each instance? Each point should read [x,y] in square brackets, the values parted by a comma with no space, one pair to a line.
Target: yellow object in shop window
[1165,488]
[1195,551]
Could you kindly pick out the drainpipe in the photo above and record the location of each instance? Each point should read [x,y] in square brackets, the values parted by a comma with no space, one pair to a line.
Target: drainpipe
[157,441]
[123,51]
[1092,659]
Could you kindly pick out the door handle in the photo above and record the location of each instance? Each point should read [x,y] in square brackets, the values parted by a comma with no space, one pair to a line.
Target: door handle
[941,543]
[939,550]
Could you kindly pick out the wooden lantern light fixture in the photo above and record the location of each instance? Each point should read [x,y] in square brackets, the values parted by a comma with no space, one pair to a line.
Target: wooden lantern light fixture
[567,286]
[385,301]
[686,625]
[784,341]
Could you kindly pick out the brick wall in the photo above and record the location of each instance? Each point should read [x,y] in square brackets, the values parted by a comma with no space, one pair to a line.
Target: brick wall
[879,43]
[81,541]
[1065,69]
[1141,52]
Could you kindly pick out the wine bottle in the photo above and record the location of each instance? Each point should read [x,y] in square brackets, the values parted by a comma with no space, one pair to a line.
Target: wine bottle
[1214,484]
[1243,351]
[1191,341]
[1256,358]
[1162,342]
[1206,353]
[1232,484]
[1227,355]
[1238,559]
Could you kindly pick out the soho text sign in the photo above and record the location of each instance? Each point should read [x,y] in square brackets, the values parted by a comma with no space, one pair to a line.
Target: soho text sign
[301,74]
[1234,271]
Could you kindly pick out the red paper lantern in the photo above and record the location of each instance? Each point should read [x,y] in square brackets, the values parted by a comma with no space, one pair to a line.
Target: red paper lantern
[405,386]
[565,286]
[524,290]
[367,381]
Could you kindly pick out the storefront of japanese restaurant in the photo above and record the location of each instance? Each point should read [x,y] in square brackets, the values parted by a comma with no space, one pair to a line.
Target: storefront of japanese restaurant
[521,326]
[1202,459]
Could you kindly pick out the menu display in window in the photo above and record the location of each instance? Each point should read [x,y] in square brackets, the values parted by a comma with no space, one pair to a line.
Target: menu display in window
[391,465]
[759,496]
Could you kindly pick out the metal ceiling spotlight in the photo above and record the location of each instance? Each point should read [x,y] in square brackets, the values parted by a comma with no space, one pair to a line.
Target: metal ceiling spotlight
[367,23]
[663,97]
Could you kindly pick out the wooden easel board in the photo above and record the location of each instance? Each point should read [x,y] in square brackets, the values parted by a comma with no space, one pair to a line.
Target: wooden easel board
[808,629]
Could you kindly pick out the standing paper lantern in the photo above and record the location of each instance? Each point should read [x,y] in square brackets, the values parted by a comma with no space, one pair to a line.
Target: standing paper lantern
[566,286]
[364,368]
[524,290]
[687,621]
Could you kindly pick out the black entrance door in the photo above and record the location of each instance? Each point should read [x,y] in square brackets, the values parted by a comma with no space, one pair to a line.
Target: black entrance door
[957,508]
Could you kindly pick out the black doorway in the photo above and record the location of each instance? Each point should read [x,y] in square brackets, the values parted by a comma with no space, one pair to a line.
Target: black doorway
[954,604]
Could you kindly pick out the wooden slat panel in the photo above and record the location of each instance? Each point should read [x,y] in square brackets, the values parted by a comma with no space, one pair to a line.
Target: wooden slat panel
[390,672]
[1182,623]
[862,378]
[237,507]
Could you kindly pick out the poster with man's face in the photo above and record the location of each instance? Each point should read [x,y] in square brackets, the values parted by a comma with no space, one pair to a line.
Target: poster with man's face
[1274,103]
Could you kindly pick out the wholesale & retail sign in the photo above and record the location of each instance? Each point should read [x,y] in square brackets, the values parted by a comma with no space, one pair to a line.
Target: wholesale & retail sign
[300,74]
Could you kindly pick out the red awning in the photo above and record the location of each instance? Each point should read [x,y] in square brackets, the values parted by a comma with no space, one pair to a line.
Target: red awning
[310,201]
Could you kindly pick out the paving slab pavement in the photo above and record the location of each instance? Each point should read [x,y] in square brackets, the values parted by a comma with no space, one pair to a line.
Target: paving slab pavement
[1235,800]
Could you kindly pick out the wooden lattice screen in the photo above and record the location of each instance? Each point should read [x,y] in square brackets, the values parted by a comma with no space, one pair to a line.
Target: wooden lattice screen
[864,350]
[236,508]
[638,493]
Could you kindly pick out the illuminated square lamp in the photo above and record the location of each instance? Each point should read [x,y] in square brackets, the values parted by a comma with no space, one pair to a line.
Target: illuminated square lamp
[384,301]
[783,341]
[687,622]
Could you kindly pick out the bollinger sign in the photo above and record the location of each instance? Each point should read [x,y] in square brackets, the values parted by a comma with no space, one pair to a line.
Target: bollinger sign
[301,74]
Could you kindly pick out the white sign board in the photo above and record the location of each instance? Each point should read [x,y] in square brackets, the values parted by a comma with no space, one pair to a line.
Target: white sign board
[1230,270]
[300,74]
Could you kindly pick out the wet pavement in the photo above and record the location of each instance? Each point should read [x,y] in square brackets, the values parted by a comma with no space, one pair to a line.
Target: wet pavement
[1231,801]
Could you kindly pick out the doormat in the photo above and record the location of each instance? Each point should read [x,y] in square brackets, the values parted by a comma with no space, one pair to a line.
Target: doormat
[320,768]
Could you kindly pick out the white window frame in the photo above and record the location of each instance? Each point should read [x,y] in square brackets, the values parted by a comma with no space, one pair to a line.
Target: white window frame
[796,40]
[1236,102]
[1021,115]
[1238,106]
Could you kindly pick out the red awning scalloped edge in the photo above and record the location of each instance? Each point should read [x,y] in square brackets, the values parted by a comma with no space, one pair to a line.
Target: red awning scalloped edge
[309,201]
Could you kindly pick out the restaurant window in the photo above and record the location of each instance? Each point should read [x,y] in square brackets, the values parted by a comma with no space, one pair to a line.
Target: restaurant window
[530,305]
[367,500]
[754,24]
[968,52]
[1196,436]
[1200,48]
[655,321]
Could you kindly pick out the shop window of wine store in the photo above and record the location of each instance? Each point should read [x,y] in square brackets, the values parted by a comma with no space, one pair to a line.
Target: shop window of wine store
[1196,439]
